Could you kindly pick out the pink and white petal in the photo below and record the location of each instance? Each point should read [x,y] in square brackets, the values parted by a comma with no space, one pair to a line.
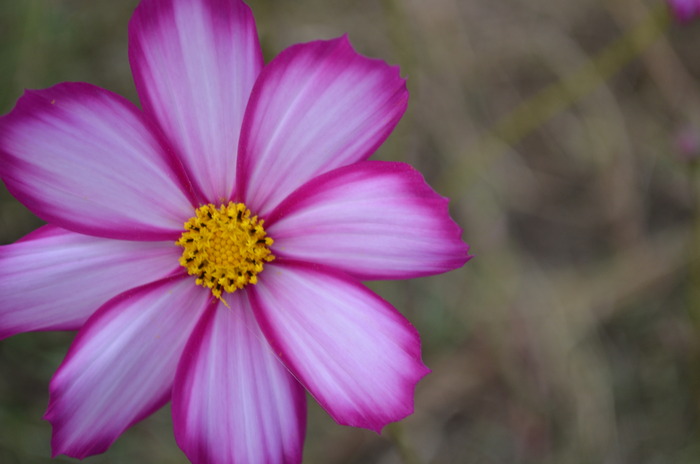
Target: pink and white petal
[315,107]
[233,400]
[195,63]
[86,159]
[121,365]
[54,279]
[354,352]
[373,220]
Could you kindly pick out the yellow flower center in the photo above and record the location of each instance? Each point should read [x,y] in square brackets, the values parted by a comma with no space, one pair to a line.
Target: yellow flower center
[225,247]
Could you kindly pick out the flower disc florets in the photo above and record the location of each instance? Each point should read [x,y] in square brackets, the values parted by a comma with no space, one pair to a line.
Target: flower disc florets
[225,247]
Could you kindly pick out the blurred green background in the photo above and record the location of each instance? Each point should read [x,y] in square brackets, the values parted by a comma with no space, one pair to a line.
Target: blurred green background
[574,335]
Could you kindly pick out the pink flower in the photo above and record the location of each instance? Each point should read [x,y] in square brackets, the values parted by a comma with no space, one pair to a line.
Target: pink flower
[210,248]
[687,143]
[685,10]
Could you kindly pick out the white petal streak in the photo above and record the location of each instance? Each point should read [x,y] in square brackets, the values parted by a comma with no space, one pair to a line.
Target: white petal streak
[373,220]
[317,106]
[87,160]
[355,353]
[122,364]
[195,63]
[55,279]
[233,400]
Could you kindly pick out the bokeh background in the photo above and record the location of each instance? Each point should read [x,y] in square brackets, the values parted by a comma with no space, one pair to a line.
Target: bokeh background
[565,134]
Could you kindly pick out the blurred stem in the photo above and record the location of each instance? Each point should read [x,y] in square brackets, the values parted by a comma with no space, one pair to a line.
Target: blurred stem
[406,452]
[399,34]
[666,69]
[694,280]
[694,248]
[401,42]
[532,113]
[27,48]
[540,108]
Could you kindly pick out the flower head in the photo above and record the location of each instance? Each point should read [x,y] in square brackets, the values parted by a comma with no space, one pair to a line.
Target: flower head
[210,247]
[686,142]
[685,10]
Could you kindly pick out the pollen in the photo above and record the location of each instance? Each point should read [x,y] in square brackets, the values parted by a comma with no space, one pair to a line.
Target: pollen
[225,248]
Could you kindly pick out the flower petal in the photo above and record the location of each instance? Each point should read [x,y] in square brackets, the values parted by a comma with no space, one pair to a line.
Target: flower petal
[85,159]
[355,353]
[54,279]
[373,220]
[121,366]
[315,107]
[233,400]
[195,63]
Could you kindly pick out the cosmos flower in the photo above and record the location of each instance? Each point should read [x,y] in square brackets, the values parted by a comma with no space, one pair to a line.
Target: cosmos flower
[685,10]
[210,247]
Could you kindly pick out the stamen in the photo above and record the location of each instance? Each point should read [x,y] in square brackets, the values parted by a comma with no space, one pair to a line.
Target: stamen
[225,248]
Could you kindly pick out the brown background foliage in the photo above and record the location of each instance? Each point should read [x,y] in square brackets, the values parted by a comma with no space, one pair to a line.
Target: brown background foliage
[572,337]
